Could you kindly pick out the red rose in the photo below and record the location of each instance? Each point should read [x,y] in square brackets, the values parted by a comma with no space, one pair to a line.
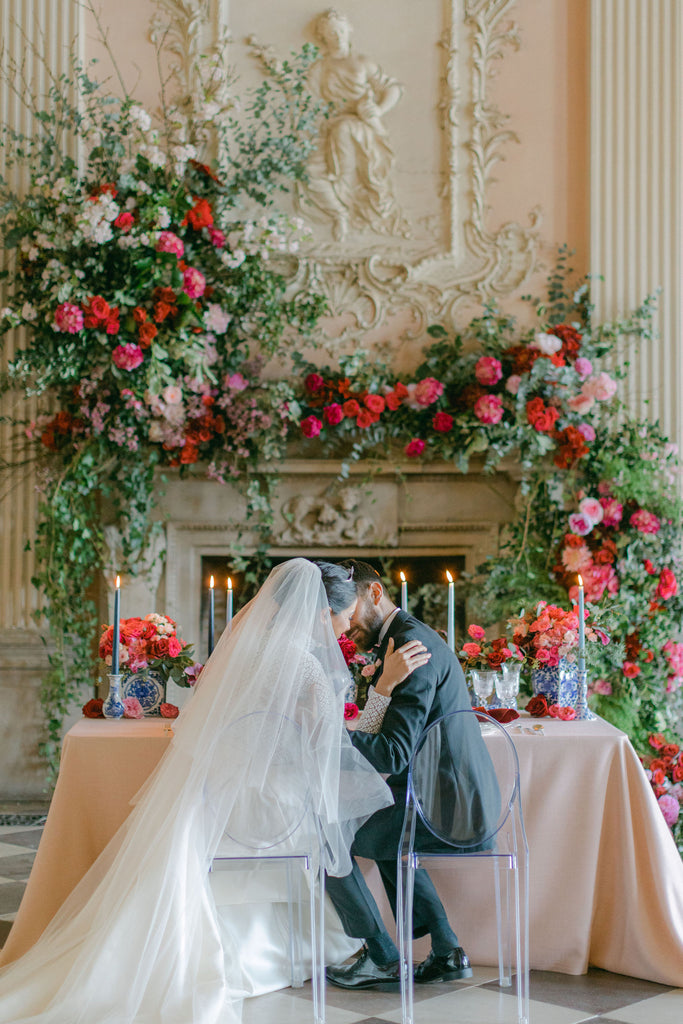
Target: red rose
[311,426]
[366,419]
[351,408]
[146,333]
[112,324]
[656,740]
[168,710]
[670,750]
[313,383]
[495,659]
[658,777]
[93,708]
[677,772]
[630,669]
[541,417]
[189,454]
[443,422]
[414,448]
[471,650]
[124,221]
[667,586]
[139,314]
[333,414]
[348,648]
[200,216]
[537,706]
[350,711]
[162,310]
[375,403]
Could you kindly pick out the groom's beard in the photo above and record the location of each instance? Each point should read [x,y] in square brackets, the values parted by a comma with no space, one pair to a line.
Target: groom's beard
[366,628]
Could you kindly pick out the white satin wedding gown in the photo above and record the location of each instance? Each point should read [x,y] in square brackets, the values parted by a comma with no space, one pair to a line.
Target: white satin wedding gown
[148,936]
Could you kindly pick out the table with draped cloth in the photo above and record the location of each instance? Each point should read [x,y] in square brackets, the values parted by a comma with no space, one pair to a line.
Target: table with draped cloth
[606,879]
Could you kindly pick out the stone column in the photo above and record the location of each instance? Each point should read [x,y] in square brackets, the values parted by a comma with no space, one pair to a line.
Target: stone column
[636,177]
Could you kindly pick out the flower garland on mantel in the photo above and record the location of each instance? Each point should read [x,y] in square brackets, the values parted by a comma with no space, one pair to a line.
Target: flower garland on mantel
[151,299]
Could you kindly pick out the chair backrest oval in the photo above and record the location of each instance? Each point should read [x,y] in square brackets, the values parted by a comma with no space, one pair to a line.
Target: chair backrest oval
[273,806]
[464,779]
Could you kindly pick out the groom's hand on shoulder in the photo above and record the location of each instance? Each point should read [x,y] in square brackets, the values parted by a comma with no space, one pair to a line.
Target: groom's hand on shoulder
[399,663]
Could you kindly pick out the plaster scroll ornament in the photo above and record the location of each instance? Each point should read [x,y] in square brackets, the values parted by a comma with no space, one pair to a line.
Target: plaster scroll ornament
[327,519]
[350,173]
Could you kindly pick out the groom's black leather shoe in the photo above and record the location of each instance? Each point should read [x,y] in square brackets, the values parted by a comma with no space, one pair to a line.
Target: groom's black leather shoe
[365,973]
[453,966]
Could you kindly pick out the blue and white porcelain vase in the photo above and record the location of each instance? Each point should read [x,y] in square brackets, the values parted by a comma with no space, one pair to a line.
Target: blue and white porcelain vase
[559,685]
[148,685]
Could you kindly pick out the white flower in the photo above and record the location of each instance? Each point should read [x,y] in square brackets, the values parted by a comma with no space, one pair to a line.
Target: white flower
[155,431]
[163,218]
[28,312]
[144,188]
[235,259]
[172,394]
[156,156]
[548,344]
[140,116]
[216,319]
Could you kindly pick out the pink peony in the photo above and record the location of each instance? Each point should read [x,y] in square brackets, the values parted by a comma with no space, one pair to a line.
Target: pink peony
[476,632]
[612,511]
[194,282]
[603,687]
[646,522]
[69,318]
[414,448]
[581,403]
[489,409]
[132,708]
[311,426]
[427,391]
[576,559]
[583,367]
[236,382]
[217,237]
[333,414]
[512,383]
[586,431]
[580,524]
[670,808]
[602,387]
[592,508]
[168,242]
[488,371]
[127,357]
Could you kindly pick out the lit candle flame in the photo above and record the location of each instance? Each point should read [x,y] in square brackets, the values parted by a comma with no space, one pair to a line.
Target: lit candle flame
[403,577]
[118,582]
[448,576]
[229,583]
[211,583]
[580,580]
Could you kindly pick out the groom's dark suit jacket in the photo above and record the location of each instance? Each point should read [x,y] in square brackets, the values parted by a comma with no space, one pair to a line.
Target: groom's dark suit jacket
[468,791]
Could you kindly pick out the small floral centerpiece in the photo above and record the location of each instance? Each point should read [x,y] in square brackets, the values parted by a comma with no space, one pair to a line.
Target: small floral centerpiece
[483,654]
[664,768]
[150,654]
[549,634]
[361,669]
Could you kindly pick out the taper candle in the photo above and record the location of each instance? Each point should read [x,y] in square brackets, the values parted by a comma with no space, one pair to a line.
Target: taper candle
[228,604]
[404,593]
[212,610]
[117,629]
[451,611]
[582,630]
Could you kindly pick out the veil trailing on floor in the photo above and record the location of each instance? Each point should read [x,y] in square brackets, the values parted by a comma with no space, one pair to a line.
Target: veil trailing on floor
[139,939]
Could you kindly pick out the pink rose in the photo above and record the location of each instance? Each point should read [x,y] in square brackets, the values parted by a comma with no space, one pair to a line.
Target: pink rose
[414,448]
[350,711]
[333,414]
[132,708]
[194,282]
[69,318]
[586,431]
[612,511]
[313,383]
[601,387]
[592,508]
[583,367]
[667,586]
[646,522]
[217,237]
[603,687]
[580,524]
[488,371]
[443,422]
[174,647]
[489,409]
[375,403]
[236,382]
[476,632]
[670,808]
[512,383]
[124,221]
[649,567]
[563,713]
[427,391]
[168,242]
[471,650]
[127,357]
[311,426]
[581,403]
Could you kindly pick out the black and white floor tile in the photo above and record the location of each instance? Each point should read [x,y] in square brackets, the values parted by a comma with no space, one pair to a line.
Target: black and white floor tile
[597,997]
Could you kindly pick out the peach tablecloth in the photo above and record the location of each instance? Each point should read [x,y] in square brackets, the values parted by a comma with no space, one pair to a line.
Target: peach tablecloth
[606,878]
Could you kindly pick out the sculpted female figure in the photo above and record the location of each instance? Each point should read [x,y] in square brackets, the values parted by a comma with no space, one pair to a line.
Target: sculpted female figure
[350,172]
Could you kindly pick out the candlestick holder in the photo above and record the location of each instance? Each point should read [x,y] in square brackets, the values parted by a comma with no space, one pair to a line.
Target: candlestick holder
[583,712]
[113,705]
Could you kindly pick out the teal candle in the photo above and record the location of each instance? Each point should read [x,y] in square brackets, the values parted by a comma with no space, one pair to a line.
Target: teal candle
[582,630]
[451,612]
[117,628]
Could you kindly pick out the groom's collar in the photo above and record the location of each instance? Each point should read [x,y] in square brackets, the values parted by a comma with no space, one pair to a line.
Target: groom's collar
[385,625]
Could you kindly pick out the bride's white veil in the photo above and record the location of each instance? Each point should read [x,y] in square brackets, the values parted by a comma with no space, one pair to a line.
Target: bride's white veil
[138,938]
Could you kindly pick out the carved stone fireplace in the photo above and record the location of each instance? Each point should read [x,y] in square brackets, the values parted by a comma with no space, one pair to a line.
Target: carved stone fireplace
[379,511]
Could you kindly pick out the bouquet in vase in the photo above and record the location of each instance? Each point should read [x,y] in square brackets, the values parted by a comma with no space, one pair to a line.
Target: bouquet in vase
[152,643]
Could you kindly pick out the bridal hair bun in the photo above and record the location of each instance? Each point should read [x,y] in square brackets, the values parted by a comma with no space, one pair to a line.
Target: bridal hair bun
[339,585]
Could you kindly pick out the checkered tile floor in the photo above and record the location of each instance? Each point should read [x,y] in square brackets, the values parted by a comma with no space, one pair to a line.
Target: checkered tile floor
[598,997]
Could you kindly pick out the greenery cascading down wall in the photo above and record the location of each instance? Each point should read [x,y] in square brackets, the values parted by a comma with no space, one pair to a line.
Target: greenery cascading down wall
[149,284]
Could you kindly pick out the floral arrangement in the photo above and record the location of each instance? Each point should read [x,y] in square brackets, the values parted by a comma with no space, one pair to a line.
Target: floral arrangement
[131,708]
[151,643]
[480,653]
[361,670]
[550,634]
[538,707]
[664,768]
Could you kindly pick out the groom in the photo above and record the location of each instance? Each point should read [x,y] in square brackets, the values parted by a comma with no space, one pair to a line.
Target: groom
[433,690]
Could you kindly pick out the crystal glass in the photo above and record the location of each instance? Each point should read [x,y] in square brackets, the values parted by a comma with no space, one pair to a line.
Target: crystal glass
[483,683]
[507,684]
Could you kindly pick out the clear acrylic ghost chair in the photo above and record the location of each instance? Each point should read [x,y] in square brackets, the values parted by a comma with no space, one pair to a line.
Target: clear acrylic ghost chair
[286,835]
[433,835]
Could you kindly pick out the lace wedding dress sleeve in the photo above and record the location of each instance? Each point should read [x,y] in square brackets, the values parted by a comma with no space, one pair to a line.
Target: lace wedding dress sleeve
[371,717]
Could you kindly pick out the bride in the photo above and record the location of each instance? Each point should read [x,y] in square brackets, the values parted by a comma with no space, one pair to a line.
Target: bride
[141,938]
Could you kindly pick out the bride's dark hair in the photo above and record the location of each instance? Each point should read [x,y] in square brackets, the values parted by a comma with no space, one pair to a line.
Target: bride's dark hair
[339,585]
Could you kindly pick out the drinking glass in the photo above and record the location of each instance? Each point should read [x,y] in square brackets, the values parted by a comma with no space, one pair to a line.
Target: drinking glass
[507,684]
[483,683]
